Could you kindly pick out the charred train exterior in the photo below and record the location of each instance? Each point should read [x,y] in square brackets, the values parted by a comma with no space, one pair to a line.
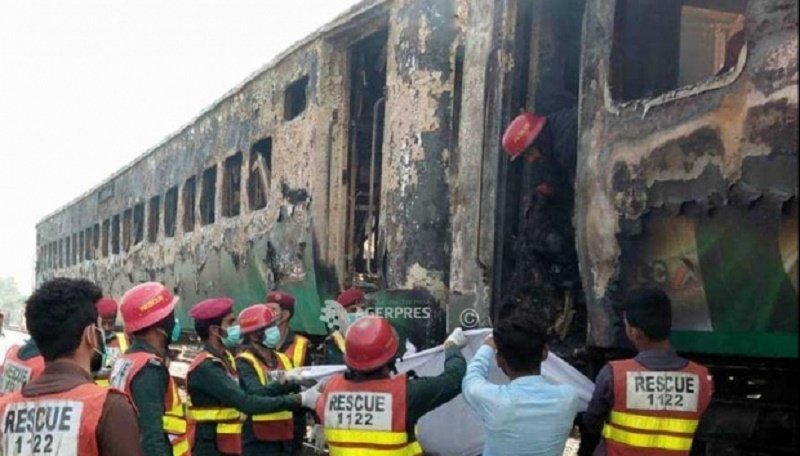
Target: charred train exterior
[369,154]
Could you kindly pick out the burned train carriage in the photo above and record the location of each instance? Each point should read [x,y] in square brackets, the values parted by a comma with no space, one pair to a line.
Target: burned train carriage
[369,154]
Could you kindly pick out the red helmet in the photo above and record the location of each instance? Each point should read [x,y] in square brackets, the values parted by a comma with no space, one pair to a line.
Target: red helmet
[107,308]
[521,133]
[255,317]
[370,343]
[145,305]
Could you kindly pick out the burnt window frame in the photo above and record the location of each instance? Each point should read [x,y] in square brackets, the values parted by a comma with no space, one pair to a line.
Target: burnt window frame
[257,189]
[105,237]
[208,196]
[153,218]
[95,241]
[614,94]
[68,251]
[116,234]
[127,229]
[171,212]
[292,106]
[189,203]
[232,185]
[75,249]
[139,227]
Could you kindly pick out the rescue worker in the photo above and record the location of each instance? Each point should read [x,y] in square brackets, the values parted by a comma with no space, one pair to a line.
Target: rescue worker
[384,407]
[117,342]
[23,363]
[293,345]
[216,402]
[82,418]
[261,371]
[148,313]
[650,404]
[352,300]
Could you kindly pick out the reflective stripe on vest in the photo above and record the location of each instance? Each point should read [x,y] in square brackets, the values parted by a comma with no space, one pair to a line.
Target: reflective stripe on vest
[655,412]
[77,412]
[173,421]
[17,372]
[228,420]
[338,339]
[297,351]
[270,427]
[366,417]
[122,342]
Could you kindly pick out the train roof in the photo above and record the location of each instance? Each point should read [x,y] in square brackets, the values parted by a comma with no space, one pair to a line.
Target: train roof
[329,28]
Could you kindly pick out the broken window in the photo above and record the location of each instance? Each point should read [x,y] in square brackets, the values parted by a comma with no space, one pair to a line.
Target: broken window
[82,248]
[232,185]
[367,60]
[138,223]
[660,45]
[104,240]
[208,196]
[115,235]
[294,98]
[260,173]
[458,82]
[76,258]
[188,204]
[67,252]
[60,253]
[127,229]
[170,211]
[95,241]
[152,219]
[87,252]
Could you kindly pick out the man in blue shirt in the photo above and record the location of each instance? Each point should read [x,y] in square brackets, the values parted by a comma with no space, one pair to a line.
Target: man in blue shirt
[529,415]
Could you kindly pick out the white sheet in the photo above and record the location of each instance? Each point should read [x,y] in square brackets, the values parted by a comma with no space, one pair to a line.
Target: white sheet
[453,429]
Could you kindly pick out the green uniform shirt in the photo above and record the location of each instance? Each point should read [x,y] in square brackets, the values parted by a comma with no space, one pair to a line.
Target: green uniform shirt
[148,389]
[299,418]
[251,384]
[210,386]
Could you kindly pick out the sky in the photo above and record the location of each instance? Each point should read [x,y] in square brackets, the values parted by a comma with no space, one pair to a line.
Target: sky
[86,86]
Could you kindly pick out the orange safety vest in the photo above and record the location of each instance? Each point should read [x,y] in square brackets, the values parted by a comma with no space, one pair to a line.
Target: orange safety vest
[17,372]
[173,422]
[64,423]
[270,427]
[297,351]
[655,413]
[366,417]
[228,420]
[114,350]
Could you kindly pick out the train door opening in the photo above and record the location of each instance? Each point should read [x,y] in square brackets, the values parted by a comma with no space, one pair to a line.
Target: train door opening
[535,237]
[367,73]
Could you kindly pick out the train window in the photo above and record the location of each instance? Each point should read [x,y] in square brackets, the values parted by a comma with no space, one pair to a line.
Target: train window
[189,197]
[138,223]
[127,225]
[104,240]
[60,254]
[232,186]
[152,219]
[67,252]
[87,251]
[295,98]
[81,248]
[458,82]
[115,235]
[259,173]
[170,211]
[95,241]
[208,196]
[661,45]
[75,250]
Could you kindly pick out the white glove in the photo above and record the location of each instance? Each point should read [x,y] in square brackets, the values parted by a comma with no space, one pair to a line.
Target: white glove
[456,338]
[308,398]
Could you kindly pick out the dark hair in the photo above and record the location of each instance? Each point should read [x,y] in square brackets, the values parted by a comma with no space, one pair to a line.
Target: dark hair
[520,339]
[202,327]
[650,310]
[57,313]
